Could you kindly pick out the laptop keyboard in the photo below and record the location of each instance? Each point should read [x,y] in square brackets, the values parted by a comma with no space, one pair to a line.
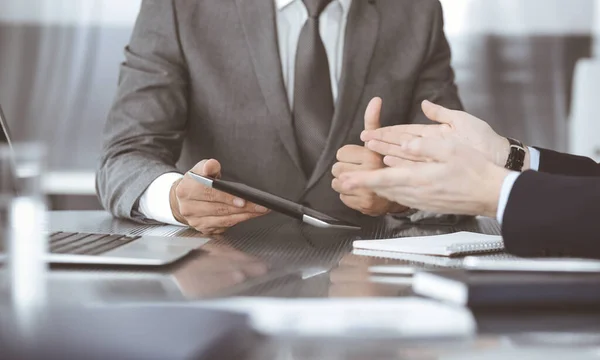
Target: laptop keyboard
[86,244]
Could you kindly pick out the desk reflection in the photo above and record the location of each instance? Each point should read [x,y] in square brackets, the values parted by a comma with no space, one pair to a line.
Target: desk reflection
[219,267]
[273,256]
[353,278]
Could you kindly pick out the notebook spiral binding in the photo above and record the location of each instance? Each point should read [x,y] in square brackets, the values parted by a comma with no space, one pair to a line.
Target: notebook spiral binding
[476,248]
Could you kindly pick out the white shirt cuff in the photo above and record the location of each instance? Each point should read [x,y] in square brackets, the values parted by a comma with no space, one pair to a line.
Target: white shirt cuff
[534,159]
[155,203]
[507,186]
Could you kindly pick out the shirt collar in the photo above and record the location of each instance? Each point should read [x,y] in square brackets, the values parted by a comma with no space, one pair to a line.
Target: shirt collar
[345,5]
[281,4]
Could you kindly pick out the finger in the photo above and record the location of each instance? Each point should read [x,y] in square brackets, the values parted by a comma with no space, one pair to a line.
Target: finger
[211,231]
[197,209]
[438,150]
[398,151]
[352,154]
[351,201]
[194,191]
[211,168]
[394,134]
[393,161]
[340,168]
[337,186]
[191,190]
[365,202]
[437,113]
[373,114]
[378,178]
[208,168]
[221,222]
[386,149]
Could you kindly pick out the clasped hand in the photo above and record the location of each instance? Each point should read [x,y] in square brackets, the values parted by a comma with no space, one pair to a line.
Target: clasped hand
[352,158]
[451,168]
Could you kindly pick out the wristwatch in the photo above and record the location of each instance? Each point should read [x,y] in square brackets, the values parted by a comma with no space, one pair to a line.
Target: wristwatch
[516,157]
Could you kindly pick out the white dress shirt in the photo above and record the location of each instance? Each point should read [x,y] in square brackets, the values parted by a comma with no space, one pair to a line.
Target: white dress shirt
[291,17]
[509,182]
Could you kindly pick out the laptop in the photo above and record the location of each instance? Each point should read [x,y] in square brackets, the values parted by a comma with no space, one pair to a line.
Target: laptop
[67,247]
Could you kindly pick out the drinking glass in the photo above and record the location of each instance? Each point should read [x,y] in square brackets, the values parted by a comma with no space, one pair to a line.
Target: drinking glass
[23,235]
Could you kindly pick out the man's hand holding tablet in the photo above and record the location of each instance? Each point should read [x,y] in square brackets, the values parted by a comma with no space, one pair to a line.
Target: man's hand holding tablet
[273,202]
[208,210]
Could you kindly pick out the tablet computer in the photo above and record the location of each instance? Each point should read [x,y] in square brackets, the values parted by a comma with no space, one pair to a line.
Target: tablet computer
[275,203]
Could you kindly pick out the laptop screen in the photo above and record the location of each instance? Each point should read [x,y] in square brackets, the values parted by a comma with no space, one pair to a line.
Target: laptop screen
[7,172]
[4,136]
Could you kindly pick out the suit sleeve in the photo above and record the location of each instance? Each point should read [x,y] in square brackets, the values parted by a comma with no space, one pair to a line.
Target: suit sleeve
[436,81]
[553,215]
[564,164]
[144,132]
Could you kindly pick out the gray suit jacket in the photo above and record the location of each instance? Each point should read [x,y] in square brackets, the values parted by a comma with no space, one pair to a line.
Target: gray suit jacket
[202,79]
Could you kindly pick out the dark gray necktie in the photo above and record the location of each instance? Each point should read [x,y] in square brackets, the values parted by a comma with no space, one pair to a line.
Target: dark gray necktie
[313,97]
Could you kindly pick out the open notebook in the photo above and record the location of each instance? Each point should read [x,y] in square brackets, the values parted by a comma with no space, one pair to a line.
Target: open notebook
[449,245]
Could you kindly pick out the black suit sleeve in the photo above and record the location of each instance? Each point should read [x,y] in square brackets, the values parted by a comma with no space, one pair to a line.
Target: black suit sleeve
[564,164]
[554,215]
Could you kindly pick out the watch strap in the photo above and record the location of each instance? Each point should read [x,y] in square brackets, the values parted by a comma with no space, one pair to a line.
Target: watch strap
[516,156]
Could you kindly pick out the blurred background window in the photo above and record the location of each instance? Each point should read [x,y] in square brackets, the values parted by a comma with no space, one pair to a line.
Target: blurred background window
[59,63]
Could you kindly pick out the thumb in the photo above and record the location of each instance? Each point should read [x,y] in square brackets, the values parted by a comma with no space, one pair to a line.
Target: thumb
[209,168]
[437,113]
[373,114]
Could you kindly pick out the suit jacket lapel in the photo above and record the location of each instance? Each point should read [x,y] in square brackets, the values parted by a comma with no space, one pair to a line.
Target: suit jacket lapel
[259,22]
[362,32]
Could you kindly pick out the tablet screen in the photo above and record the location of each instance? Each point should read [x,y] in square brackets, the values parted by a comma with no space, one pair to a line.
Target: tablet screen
[277,203]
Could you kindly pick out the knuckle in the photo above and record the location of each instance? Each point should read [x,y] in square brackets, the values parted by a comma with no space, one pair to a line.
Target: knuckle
[185,209]
[209,194]
[377,145]
[223,211]
[229,222]
[416,145]
[367,203]
[202,228]
[373,158]
[335,169]
[452,149]
[340,153]
[181,189]
[208,232]
[199,167]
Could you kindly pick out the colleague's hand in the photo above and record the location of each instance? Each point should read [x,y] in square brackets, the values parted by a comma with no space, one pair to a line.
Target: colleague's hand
[455,125]
[208,210]
[356,158]
[454,179]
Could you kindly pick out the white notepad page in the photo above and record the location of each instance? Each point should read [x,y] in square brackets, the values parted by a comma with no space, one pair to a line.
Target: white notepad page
[460,243]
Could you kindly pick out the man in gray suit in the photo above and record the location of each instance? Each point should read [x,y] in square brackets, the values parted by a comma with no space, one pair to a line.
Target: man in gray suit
[265,92]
